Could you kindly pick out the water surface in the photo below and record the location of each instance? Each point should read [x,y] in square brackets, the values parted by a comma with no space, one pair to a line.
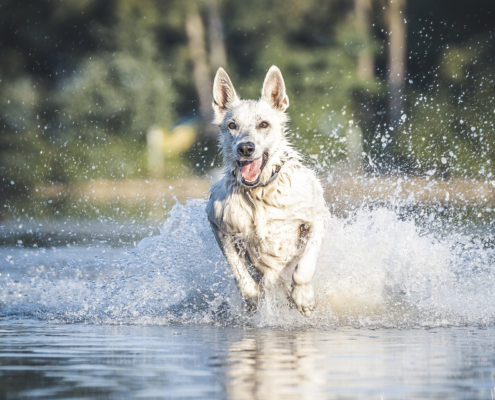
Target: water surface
[47,360]
[402,312]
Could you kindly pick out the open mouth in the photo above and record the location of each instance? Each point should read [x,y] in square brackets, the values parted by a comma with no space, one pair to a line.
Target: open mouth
[251,170]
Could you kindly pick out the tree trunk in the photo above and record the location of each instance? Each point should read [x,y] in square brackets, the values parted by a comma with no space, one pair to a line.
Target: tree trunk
[365,72]
[218,56]
[201,70]
[396,58]
[366,62]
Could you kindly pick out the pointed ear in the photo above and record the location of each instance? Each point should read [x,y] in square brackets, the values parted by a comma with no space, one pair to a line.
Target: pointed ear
[223,92]
[273,90]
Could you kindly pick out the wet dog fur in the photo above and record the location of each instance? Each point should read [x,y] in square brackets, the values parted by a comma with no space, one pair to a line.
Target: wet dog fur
[268,210]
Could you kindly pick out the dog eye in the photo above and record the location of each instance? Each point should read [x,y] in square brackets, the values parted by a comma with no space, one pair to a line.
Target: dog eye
[232,125]
[263,125]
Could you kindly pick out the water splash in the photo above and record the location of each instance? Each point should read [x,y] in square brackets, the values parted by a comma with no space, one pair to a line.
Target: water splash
[375,270]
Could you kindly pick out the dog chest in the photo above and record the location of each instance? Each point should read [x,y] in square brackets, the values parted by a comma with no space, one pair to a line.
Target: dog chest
[271,223]
[232,214]
[278,232]
[271,229]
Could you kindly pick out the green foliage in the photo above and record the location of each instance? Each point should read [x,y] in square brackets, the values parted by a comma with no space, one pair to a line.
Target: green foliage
[451,130]
[117,92]
[61,126]
[82,81]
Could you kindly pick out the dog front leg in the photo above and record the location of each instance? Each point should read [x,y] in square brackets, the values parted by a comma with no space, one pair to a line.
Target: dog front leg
[302,289]
[248,287]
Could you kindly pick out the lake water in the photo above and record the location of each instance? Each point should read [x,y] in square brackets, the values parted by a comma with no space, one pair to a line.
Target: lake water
[402,313]
[53,360]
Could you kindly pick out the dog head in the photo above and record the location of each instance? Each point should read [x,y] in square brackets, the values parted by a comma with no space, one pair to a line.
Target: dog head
[252,132]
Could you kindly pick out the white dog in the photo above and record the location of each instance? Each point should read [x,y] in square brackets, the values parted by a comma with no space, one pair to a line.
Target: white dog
[268,210]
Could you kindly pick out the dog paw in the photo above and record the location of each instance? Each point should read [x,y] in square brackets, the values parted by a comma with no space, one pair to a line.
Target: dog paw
[250,295]
[304,298]
[251,291]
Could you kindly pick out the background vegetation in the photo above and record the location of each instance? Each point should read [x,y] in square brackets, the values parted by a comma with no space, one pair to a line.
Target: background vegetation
[396,86]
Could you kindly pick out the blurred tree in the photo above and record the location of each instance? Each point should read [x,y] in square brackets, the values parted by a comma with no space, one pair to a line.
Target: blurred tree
[365,73]
[81,81]
[451,132]
[36,39]
[366,62]
[397,49]
[119,92]
[205,56]
[218,56]
[201,69]
[123,90]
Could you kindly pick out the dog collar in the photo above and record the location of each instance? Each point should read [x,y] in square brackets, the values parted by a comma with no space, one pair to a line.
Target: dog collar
[273,177]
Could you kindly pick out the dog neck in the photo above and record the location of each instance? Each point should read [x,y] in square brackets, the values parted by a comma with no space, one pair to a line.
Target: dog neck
[274,174]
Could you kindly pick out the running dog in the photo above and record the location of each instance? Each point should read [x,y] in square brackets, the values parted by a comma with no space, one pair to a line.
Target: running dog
[268,210]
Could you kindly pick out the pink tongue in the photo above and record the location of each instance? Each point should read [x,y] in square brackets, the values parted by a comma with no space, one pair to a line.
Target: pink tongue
[251,170]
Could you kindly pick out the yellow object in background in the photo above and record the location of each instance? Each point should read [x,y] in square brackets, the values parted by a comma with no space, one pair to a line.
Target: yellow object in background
[163,144]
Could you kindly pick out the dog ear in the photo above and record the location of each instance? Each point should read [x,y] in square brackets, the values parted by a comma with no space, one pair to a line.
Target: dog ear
[223,92]
[273,90]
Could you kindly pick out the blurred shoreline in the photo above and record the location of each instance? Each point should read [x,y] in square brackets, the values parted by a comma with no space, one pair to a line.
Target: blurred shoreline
[129,190]
[357,190]
[344,190]
[122,212]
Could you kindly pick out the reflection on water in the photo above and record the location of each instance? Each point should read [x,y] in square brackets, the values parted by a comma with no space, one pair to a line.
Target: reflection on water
[43,360]
[446,363]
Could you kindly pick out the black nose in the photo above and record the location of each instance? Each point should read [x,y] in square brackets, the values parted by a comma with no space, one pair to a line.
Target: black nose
[245,149]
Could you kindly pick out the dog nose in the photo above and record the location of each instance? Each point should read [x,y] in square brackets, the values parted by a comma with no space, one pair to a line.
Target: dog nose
[245,149]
